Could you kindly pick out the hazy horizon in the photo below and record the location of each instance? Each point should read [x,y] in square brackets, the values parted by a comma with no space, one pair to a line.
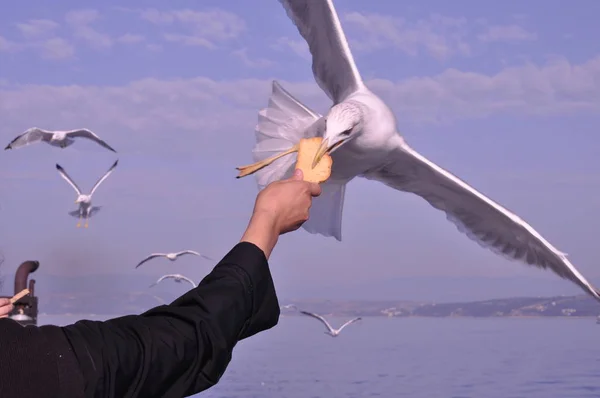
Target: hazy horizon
[505,96]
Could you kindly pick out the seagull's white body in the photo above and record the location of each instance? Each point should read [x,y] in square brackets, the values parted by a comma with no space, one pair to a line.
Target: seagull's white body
[172,256]
[176,277]
[57,138]
[360,133]
[330,330]
[84,200]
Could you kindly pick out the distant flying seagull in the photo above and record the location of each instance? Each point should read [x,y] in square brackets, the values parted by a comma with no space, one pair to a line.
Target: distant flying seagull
[360,133]
[57,138]
[172,256]
[85,201]
[331,331]
[287,307]
[176,277]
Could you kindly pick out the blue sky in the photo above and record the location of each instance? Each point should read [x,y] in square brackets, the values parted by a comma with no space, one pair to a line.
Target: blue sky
[504,95]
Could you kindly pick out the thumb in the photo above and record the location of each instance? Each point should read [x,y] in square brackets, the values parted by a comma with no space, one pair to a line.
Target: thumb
[298,175]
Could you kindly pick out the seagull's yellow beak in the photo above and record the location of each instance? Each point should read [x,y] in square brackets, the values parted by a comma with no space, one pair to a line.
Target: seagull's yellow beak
[325,148]
[320,152]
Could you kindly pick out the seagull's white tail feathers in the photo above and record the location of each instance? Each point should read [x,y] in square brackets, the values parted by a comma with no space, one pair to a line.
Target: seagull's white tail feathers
[280,126]
[326,211]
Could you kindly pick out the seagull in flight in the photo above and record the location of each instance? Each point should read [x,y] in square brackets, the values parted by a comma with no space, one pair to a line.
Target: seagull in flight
[330,331]
[85,201]
[172,256]
[56,138]
[360,133]
[176,277]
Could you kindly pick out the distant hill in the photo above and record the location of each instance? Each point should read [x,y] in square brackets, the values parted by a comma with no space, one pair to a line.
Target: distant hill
[559,306]
[111,294]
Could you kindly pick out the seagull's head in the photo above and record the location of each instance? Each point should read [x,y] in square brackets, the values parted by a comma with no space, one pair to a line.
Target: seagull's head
[343,123]
[82,199]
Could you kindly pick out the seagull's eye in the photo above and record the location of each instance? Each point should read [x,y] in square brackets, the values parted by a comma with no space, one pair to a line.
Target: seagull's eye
[346,132]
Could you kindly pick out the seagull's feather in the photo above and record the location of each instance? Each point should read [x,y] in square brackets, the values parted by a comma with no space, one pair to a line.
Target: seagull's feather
[68,179]
[30,136]
[150,257]
[480,218]
[92,211]
[333,65]
[104,177]
[177,277]
[181,253]
[319,317]
[85,133]
[348,323]
[281,125]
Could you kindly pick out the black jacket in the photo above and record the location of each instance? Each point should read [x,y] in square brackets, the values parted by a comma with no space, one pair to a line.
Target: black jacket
[172,350]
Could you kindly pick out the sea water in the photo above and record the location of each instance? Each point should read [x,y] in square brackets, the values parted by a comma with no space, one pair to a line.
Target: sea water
[413,357]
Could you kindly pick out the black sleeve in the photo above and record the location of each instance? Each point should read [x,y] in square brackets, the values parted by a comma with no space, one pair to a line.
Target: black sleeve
[37,362]
[183,348]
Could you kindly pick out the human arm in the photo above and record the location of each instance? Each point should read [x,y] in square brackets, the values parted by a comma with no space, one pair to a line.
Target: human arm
[172,350]
[193,338]
[169,351]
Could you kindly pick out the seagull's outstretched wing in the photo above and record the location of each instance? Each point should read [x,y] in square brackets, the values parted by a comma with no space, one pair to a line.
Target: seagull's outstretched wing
[159,280]
[68,179]
[30,136]
[319,317]
[333,65]
[185,278]
[85,133]
[150,257]
[480,218]
[181,253]
[104,177]
[348,323]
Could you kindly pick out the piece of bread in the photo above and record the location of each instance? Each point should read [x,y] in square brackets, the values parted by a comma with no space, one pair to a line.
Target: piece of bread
[307,150]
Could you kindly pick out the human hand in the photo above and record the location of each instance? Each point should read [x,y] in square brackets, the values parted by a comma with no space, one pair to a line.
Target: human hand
[281,207]
[5,307]
[287,202]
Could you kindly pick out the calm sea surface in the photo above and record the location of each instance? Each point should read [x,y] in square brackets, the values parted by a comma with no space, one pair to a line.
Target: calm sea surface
[413,357]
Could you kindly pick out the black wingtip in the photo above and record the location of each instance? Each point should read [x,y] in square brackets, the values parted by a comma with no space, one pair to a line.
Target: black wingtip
[8,147]
[58,167]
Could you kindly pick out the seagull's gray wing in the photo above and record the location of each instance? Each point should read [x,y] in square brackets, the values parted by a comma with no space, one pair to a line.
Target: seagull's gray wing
[104,177]
[348,323]
[185,278]
[181,253]
[480,218]
[150,257]
[30,136]
[333,65]
[163,278]
[68,179]
[85,133]
[320,318]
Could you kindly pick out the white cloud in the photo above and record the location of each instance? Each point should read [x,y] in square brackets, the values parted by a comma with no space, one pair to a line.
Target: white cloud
[223,110]
[189,40]
[298,47]
[80,21]
[242,54]
[37,28]
[439,36]
[55,48]
[130,38]
[6,45]
[507,33]
[201,28]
